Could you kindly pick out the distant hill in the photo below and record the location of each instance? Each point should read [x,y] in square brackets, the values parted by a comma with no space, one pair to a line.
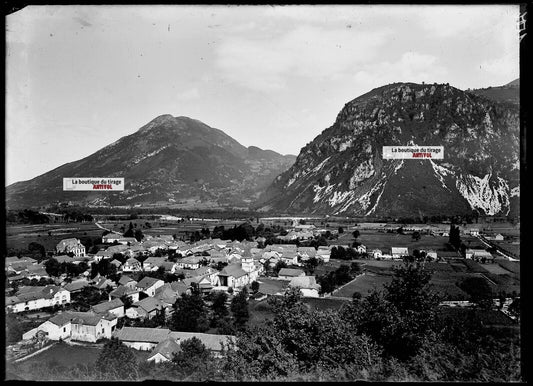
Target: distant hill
[507,93]
[171,161]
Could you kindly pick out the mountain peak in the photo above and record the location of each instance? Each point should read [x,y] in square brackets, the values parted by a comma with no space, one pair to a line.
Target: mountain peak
[342,171]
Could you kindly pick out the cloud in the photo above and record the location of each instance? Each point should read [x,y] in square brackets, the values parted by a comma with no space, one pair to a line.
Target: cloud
[306,51]
[411,67]
[188,95]
[453,20]
[505,67]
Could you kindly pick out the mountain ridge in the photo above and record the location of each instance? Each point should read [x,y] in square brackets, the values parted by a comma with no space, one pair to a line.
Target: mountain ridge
[182,158]
[342,171]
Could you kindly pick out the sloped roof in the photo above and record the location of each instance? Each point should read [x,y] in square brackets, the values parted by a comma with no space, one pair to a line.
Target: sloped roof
[234,270]
[154,260]
[87,318]
[272,287]
[142,334]
[76,285]
[179,287]
[38,292]
[204,270]
[61,319]
[102,282]
[290,272]
[166,294]
[210,341]
[149,304]
[64,259]
[167,348]
[122,290]
[399,250]
[124,279]
[147,282]
[306,282]
[104,307]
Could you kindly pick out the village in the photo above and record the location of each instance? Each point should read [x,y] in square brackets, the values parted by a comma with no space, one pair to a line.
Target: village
[138,282]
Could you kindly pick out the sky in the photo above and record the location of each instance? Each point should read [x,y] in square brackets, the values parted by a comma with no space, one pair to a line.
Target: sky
[80,77]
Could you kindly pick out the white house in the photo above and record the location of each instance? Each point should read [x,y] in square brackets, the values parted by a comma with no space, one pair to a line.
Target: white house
[79,326]
[238,275]
[399,252]
[190,262]
[71,245]
[55,328]
[115,307]
[132,265]
[146,339]
[478,254]
[323,253]
[146,308]
[35,298]
[289,273]
[123,290]
[164,351]
[110,238]
[360,249]
[307,285]
[90,327]
[377,253]
[148,285]
[141,338]
[290,257]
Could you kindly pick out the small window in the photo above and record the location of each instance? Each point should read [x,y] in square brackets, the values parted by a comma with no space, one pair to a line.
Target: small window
[64,329]
[103,330]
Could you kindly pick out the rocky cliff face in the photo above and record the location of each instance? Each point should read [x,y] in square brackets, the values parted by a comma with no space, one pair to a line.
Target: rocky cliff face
[342,170]
[169,161]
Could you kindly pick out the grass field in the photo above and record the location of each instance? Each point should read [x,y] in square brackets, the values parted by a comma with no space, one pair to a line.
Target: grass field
[65,355]
[495,269]
[511,247]
[363,284]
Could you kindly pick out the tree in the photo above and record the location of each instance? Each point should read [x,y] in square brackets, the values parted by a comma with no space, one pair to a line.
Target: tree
[190,314]
[52,267]
[117,361]
[514,308]
[311,264]
[138,234]
[454,238]
[218,307]
[279,265]
[416,235]
[37,249]
[239,309]
[479,290]
[341,230]
[402,317]
[254,286]
[127,301]
[193,358]
[356,234]
[14,329]
[129,232]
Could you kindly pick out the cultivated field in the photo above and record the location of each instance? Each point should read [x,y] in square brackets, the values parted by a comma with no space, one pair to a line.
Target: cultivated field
[19,236]
[382,240]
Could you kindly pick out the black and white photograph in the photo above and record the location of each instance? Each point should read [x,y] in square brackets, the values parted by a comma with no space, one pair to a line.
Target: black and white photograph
[264,193]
